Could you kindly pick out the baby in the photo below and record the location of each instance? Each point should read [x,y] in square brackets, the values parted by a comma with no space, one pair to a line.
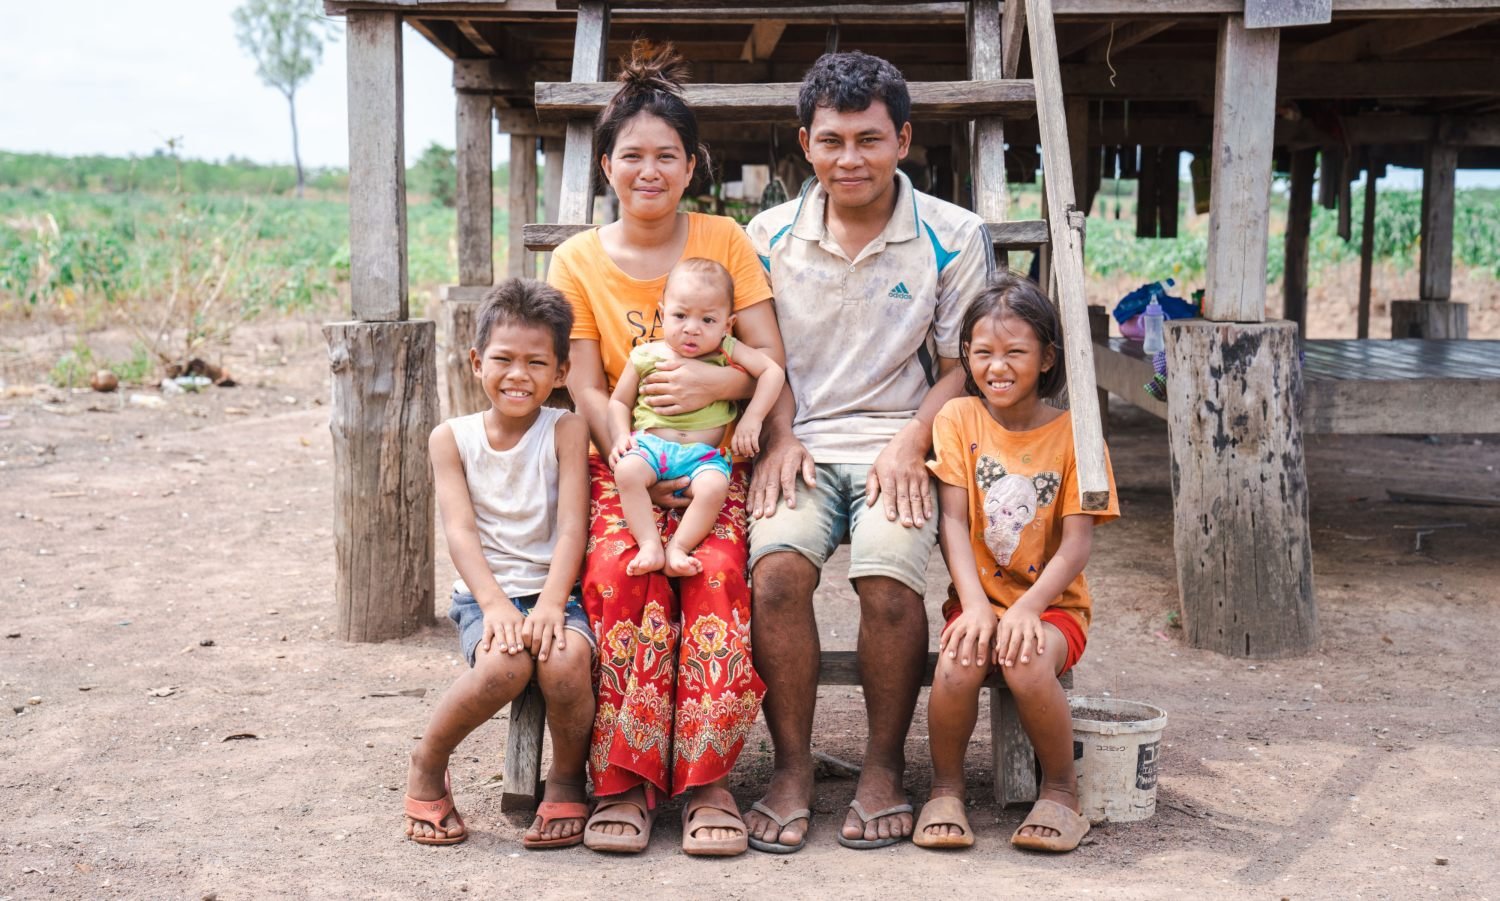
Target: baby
[696,313]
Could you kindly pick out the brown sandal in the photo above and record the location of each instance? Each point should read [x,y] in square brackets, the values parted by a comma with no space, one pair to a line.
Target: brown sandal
[433,813]
[943,811]
[628,813]
[558,810]
[1071,828]
[709,816]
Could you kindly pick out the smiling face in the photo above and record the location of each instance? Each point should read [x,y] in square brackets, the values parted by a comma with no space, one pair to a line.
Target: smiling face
[648,168]
[518,368]
[1007,359]
[696,313]
[854,154]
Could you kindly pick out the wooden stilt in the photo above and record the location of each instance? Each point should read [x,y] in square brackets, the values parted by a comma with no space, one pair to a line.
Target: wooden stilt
[384,407]
[1438,319]
[1435,277]
[1366,254]
[521,771]
[1298,226]
[1244,556]
[377,168]
[1145,194]
[1098,332]
[522,203]
[1167,190]
[460,312]
[987,161]
[476,192]
[1244,124]
[552,173]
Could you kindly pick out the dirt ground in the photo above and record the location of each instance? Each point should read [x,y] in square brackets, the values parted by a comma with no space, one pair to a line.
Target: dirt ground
[179,722]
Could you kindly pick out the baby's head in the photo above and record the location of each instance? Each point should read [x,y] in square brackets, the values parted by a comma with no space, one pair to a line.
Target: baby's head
[520,352]
[697,307]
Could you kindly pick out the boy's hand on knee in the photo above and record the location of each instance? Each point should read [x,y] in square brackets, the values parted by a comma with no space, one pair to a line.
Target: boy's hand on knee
[542,628]
[1020,637]
[503,625]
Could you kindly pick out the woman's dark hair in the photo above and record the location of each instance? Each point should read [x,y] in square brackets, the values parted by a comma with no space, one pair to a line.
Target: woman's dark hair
[849,83]
[651,82]
[1013,294]
[524,301]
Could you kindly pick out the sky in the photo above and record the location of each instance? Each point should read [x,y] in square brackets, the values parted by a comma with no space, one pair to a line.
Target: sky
[106,77]
[109,77]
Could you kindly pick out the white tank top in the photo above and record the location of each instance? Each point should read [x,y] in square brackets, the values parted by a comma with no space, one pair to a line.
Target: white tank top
[514,494]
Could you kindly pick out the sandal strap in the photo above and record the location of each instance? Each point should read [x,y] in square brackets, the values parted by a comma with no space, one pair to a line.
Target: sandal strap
[602,814]
[432,812]
[944,811]
[712,816]
[859,811]
[801,813]
[562,810]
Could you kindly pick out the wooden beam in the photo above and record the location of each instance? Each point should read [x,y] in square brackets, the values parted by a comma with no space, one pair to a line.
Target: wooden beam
[1146,194]
[1013,234]
[377,169]
[778,102]
[1287,13]
[475,37]
[1332,172]
[1077,111]
[1125,38]
[524,121]
[1168,188]
[1435,277]
[1366,254]
[1244,116]
[987,154]
[1298,228]
[505,77]
[522,204]
[552,179]
[1012,33]
[762,40]
[1187,80]
[476,191]
[1372,40]
[589,46]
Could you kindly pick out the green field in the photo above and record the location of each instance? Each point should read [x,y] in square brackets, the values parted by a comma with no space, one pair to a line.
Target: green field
[96,241]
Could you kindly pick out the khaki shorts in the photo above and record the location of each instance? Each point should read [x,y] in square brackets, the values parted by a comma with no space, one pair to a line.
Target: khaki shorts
[836,508]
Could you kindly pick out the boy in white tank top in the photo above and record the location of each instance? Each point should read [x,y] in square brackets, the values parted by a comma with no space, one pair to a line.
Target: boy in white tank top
[512,487]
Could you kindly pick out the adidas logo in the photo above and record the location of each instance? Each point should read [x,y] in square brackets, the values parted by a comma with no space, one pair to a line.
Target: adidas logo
[899,292]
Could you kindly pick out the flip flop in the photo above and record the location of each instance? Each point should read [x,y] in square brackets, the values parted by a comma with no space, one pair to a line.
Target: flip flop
[433,813]
[558,810]
[1072,827]
[943,811]
[867,844]
[628,813]
[759,844]
[709,816]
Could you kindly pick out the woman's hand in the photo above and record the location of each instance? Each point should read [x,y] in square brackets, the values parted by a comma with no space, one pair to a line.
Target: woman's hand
[664,493]
[682,386]
[968,638]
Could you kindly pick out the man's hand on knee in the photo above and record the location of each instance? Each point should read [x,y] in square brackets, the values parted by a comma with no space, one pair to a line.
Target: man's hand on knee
[900,477]
[776,475]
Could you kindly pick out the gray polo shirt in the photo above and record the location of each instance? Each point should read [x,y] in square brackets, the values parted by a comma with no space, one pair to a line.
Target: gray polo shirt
[862,336]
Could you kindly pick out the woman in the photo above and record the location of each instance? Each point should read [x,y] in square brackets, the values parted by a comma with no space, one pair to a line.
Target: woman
[677,691]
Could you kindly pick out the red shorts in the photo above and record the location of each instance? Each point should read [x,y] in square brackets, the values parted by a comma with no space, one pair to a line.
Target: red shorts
[1064,621]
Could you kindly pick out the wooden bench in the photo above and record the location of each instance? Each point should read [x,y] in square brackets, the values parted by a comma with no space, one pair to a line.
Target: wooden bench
[1016,771]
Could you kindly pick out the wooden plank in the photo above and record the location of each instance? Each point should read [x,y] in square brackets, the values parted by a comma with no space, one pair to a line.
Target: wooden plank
[521,771]
[524,121]
[1192,79]
[1076,109]
[1435,266]
[1298,228]
[778,102]
[590,44]
[377,169]
[1146,194]
[987,157]
[1239,486]
[1446,500]
[1372,40]
[872,10]
[1125,38]
[762,40]
[522,199]
[1066,227]
[476,191]
[552,181]
[1125,373]
[1168,189]
[1244,116]
[1366,255]
[465,393]
[384,407]
[1433,319]
[1329,176]
[476,37]
[1287,13]
[1012,35]
[1016,234]
[1431,406]
[1099,333]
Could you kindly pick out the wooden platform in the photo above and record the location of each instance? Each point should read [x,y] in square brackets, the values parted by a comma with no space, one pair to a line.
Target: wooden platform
[1406,386]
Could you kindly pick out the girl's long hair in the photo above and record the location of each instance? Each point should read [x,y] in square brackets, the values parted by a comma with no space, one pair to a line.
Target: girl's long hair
[1011,294]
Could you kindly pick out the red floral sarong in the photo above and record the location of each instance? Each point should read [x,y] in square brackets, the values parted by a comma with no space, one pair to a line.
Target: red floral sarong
[677,692]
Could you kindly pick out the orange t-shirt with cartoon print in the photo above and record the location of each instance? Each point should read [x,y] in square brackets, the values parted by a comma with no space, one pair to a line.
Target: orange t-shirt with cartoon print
[1020,485]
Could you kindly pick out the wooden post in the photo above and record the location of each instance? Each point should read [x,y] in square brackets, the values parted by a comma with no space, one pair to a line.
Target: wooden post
[1435,278]
[1367,254]
[987,156]
[552,175]
[1436,319]
[522,768]
[1076,109]
[384,407]
[1234,423]
[1099,334]
[1244,125]
[377,168]
[522,203]
[476,192]
[589,45]
[1146,194]
[1298,227]
[1168,187]
[460,312]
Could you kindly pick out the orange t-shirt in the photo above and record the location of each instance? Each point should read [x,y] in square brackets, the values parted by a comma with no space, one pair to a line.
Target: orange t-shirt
[1020,485]
[621,312]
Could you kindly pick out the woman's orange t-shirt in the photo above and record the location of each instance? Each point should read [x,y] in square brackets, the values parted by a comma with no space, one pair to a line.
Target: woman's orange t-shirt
[1020,485]
[621,312]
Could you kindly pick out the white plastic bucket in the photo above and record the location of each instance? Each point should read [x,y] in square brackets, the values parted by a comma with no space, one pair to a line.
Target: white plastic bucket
[1116,760]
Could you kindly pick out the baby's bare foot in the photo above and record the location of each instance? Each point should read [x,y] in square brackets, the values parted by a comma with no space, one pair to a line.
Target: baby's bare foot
[680,563]
[648,559]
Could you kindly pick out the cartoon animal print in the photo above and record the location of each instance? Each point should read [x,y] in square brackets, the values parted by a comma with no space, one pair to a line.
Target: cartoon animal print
[1010,504]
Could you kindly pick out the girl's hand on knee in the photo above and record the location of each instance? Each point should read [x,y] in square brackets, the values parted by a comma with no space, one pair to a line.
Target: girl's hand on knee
[968,638]
[1020,637]
[622,446]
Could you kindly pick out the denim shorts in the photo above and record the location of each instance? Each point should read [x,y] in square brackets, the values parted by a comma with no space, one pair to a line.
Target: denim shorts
[836,507]
[670,460]
[469,619]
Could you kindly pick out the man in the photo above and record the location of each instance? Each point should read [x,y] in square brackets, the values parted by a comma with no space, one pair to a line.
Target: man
[871,278]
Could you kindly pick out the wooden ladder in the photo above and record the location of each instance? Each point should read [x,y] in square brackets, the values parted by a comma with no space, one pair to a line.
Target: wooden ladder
[992,94]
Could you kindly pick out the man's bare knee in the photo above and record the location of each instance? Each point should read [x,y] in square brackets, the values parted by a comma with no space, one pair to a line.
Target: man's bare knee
[887,603]
[783,580]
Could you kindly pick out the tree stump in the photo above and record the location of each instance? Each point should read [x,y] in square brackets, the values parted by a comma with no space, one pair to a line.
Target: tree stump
[384,408]
[465,393]
[1239,486]
[1429,319]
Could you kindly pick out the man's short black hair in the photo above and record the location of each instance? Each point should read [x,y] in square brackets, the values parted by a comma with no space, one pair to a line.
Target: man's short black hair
[849,83]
